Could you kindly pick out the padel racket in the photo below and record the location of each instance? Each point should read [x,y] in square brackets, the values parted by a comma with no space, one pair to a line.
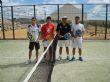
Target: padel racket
[31,37]
[67,36]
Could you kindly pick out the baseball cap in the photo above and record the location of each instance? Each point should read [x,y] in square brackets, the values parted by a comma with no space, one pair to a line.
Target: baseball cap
[64,17]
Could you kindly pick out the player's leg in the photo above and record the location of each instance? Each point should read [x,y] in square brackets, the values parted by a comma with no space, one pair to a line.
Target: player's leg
[45,44]
[67,45]
[44,50]
[37,47]
[60,53]
[80,49]
[31,47]
[80,52]
[30,54]
[67,51]
[74,45]
[73,56]
[60,44]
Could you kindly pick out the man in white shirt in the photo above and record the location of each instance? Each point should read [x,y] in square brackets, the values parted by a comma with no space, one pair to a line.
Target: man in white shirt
[33,30]
[77,32]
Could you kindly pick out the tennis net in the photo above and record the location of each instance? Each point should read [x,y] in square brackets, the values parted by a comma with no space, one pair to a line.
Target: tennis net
[42,71]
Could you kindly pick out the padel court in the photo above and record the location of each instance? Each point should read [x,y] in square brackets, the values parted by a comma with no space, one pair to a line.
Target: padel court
[94,68]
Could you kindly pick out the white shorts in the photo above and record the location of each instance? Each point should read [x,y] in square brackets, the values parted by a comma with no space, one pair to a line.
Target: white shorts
[77,42]
[46,43]
[62,43]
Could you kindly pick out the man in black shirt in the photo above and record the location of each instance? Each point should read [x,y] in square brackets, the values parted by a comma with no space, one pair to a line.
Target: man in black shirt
[62,29]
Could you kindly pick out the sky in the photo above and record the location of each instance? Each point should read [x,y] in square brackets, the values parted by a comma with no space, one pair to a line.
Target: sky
[95,9]
[31,2]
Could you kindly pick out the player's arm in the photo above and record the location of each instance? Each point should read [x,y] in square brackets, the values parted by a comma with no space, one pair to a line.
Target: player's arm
[58,31]
[53,35]
[42,32]
[83,30]
[28,30]
[72,31]
[39,34]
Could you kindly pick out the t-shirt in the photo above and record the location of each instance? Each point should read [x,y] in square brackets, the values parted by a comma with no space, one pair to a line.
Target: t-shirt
[77,29]
[47,29]
[63,29]
[34,30]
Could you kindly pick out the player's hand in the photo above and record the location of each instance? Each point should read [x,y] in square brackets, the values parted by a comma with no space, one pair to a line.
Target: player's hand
[37,41]
[75,36]
[60,36]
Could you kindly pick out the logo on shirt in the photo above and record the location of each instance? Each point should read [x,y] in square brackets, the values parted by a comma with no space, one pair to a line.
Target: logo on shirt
[48,30]
[78,33]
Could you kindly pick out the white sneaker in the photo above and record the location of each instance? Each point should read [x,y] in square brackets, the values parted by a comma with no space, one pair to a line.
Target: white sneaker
[28,62]
[59,58]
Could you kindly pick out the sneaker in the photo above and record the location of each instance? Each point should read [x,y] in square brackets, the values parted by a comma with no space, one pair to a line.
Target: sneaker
[80,59]
[28,62]
[68,58]
[73,59]
[59,58]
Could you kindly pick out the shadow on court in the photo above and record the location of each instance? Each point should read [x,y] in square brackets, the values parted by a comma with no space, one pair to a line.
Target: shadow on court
[63,61]
[16,65]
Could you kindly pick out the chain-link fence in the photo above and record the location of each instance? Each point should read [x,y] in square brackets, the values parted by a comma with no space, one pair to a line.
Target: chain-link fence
[95,17]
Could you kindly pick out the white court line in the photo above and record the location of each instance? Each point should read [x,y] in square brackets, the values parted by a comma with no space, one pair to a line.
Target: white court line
[34,68]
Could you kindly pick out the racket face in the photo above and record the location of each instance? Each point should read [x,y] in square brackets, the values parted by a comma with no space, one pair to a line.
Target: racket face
[67,36]
[78,33]
[31,37]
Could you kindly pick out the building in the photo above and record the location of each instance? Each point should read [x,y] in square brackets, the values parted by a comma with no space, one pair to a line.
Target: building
[70,11]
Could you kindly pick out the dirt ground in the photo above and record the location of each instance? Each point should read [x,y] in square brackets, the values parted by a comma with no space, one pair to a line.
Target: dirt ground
[89,33]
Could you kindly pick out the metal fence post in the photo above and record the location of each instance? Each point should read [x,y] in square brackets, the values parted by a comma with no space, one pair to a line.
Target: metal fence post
[58,15]
[82,13]
[2,20]
[34,11]
[106,22]
[12,22]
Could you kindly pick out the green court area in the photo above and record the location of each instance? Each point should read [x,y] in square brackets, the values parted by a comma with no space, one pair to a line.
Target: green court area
[13,55]
[94,68]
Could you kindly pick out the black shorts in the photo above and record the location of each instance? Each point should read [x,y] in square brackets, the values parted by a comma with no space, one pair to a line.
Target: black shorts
[32,44]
